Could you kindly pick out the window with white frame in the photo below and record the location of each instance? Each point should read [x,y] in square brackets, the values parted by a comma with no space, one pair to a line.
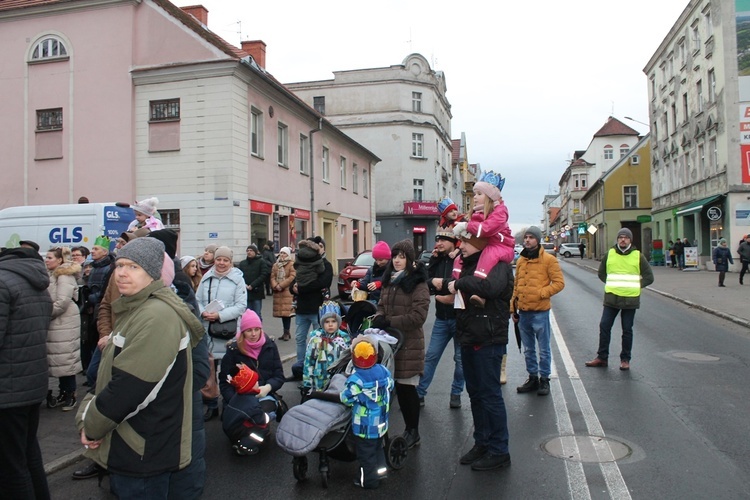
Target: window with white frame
[48,49]
[304,154]
[714,152]
[282,142]
[624,148]
[326,165]
[699,95]
[342,173]
[682,52]
[701,158]
[609,152]
[709,26]
[416,102]
[355,178]
[170,218]
[584,178]
[711,85]
[417,145]
[256,132]
[365,183]
[630,196]
[49,119]
[696,38]
[418,189]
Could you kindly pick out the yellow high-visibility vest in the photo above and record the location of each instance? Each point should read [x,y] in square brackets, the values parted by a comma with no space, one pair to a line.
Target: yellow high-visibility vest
[623,273]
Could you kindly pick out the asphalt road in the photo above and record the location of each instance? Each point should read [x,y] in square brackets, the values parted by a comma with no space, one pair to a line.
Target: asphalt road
[674,426]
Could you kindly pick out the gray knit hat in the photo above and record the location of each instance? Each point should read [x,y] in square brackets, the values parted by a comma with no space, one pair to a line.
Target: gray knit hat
[147,253]
[535,232]
[625,232]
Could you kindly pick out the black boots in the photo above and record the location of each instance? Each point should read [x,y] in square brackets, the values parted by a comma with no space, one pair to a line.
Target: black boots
[543,387]
[65,400]
[531,384]
[412,437]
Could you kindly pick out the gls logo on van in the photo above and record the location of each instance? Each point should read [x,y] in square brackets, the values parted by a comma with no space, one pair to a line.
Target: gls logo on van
[112,215]
[66,235]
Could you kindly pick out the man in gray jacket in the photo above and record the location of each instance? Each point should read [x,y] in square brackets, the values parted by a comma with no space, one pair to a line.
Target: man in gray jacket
[25,311]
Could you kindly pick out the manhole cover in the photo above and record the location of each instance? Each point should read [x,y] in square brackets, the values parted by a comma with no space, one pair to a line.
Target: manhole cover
[695,356]
[590,449]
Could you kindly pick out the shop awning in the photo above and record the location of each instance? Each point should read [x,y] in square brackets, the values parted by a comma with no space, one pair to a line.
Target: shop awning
[696,206]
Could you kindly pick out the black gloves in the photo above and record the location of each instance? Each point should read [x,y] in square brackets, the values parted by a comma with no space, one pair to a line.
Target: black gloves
[380,322]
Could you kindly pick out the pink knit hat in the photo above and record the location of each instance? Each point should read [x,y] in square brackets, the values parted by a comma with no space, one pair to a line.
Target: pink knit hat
[381,250]
[249,320]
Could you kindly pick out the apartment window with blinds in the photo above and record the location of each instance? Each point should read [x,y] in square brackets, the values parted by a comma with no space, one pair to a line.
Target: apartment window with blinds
[164,110]
[49,119]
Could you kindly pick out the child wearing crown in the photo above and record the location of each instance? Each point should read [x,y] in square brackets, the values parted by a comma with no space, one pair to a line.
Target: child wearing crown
[449,214]
[488,220]
[368,392]
[324,346]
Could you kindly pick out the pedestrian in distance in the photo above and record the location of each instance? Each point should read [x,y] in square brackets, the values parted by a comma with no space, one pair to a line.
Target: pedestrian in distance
[282,277]
[368,392]
[672,256]
[25,311]
[582,248]
[744,252]
[722,257]
[538,278]
[256,271]
[679,253]
[483,335]
[624,271]
[270,258]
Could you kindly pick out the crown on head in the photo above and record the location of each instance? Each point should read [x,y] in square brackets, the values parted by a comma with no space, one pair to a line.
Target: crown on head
[494,179]
[102,241]
[329,307]
[444,204]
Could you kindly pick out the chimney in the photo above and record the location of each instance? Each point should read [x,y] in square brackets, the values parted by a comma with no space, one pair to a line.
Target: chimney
[197,11]
[256,49]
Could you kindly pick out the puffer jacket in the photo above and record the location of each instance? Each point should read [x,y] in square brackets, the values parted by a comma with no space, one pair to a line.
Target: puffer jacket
[142,409]
[25,310]
[538,277]
[255,272]
[405,303]
[647,277]
[282,300]
[268,366]
[722,257]
[744,251]
[64,336]
[230,289]
[485,326]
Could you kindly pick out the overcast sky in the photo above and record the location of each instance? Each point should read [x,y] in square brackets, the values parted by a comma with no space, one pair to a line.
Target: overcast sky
[528,82]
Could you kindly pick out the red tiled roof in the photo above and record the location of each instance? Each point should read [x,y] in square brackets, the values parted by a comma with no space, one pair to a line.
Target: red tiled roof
[554,212]
[615,127]
[456,153]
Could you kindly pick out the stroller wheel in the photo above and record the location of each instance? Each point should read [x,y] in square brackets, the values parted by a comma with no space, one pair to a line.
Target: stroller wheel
[299,466]
[396,451]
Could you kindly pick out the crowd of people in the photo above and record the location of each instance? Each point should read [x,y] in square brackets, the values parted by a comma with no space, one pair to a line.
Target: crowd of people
[169,342]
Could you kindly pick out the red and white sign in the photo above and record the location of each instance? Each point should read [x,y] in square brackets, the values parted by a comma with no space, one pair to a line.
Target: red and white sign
[745,152]
[419,229]
[302,214]
[261,207]
[420,208]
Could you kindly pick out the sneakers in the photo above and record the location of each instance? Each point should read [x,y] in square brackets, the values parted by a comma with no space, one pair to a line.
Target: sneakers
[421,401]
[531,384]
[473,455]
[455,401]
[490,462]
[69,401]
[412,438]
[597,363]
[624,365]
[543,387]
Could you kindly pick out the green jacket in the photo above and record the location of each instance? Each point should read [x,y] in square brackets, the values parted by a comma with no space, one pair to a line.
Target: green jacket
[142,410]
[646,274]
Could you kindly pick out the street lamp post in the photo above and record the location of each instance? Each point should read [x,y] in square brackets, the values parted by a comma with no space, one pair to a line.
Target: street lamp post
[637,121]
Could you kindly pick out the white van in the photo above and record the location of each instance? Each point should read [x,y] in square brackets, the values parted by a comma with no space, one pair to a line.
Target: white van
[69,225]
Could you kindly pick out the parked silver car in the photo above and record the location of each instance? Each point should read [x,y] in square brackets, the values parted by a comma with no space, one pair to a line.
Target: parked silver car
[569,250]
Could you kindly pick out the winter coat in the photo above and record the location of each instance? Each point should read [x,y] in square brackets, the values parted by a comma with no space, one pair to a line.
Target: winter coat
[64,335]
[404,303]
[308,263]
[722,258]
[255,272]
[373,275]
[268,366]
[98,278]
[679,247]
[230,289]
[485,326]
[282,300]
[25,311]
[441,266]
[322,351]
[142,409]
[310,297]
[744,251]
[368,392]
[647,277]
[538,277]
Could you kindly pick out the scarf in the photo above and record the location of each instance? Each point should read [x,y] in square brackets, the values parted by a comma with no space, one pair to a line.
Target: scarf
[396,276]
[252,349]
[280,271]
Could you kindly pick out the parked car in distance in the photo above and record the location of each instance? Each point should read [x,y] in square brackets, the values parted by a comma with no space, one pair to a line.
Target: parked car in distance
[352,271]
[570,250]
[424,257]
[550,248]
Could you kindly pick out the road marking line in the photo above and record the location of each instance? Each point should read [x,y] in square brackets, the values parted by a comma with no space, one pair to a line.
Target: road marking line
[609,468]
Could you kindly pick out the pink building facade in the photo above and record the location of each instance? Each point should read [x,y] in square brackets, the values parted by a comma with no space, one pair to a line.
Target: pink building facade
[123,100]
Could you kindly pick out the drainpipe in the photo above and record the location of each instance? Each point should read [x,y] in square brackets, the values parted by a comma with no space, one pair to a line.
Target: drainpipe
[312,177]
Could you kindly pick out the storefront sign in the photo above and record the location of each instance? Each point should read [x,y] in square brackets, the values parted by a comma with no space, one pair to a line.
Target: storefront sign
[713,213]
[745,161]
[420,208]
[261,207]
[302,214]
[419,229]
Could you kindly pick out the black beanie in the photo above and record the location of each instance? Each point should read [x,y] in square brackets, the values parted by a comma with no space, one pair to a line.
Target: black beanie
[169,238]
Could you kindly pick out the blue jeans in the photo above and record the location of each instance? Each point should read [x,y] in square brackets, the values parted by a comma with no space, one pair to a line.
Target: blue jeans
[256,306]
[442,332]
[627,316]
[535,328]
[681,260]
[96,357]
[146,488]
[482,372]
[304,322]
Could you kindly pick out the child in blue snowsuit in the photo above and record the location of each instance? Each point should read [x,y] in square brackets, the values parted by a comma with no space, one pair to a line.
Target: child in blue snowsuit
[368,392]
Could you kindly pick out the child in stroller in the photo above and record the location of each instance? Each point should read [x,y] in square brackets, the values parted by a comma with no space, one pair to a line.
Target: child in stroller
[324,425]
[251,374]
[368,392]
[324,346]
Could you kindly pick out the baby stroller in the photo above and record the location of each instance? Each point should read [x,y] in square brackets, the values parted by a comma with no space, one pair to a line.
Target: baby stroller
[323,424]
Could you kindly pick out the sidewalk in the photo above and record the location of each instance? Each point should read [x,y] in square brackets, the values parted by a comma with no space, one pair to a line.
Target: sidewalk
[698,289]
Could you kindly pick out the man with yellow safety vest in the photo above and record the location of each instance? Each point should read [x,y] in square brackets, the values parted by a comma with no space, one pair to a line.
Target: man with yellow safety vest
[624,271]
